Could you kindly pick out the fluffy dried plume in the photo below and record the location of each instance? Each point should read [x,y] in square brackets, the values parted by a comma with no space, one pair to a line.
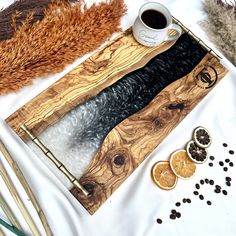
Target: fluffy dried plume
[13,16]
[64,34]
[221,26]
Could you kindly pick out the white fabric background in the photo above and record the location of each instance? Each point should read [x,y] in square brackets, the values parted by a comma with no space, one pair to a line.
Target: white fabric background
[132,210]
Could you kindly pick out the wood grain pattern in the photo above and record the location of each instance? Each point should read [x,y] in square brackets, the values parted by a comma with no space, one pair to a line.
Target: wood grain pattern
[104,68]
[130,142]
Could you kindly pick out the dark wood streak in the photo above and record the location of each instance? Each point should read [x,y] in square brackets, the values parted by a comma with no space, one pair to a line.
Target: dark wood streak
[177,105]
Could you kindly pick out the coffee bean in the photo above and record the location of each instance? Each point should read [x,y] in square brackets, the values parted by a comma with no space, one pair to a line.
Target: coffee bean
[178,214]
[212,158]
[227,160]
[221,163]
[228,179]
[224,192]
[210,164]
[173,211]
[207,181]
[197,186]
[177,204]
[172,216]
[231,164]
[217,190]
[189,200]
[208,202]
[195,193]
[225,169]
[159,221]
[201,197]
[184,200]
[218,187]
[211,182]
[201,181]
[225,144]
[231,152]
[228,183]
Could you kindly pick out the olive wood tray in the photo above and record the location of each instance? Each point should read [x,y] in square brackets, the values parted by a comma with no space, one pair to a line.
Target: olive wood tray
[132,140]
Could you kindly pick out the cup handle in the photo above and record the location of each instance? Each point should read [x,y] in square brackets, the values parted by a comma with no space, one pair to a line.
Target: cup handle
[178,31]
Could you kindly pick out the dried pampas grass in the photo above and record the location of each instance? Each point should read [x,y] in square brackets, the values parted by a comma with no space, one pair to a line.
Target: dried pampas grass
[65,33]
[14,15]
[221,26]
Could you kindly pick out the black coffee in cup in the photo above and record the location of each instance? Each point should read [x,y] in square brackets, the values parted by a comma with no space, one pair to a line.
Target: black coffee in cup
[154,19]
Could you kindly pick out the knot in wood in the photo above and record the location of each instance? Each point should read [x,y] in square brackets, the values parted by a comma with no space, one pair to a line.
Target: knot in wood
[157,122]
[89,187]
[119,160]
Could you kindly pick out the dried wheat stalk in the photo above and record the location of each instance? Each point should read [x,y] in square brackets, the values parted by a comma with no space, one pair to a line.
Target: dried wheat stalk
[1,232]
[8,212]
[64,34]
[26,187]
[6,178]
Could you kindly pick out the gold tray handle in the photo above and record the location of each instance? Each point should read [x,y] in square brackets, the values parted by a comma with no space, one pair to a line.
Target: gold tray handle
[51,156]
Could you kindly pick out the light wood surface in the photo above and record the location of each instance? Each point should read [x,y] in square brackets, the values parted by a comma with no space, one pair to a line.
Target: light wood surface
[130,142]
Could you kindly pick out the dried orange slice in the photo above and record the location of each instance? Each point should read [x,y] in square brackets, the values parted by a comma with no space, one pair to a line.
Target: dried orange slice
[182,165]
[202,137]
[163,176]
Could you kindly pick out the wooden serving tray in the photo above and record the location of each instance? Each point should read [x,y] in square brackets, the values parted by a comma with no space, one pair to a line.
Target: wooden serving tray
[101,70]
[131,141]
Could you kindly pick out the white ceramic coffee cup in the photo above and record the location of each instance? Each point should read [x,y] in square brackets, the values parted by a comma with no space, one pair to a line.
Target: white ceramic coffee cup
[150,37]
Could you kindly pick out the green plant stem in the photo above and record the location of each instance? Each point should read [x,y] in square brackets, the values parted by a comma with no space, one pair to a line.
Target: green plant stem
[11,228]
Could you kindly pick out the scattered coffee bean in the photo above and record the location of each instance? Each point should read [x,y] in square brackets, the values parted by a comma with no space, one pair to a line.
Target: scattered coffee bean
[159,221]
[197,186]
[173,211]
[231,152]
[218,187]
[228,179]
[184,200]
[217,190]
[178,214]
[221,163]
[172,216]
[225,144]
[224,192]
[177,204]
[195,193]
[188,200]
[231,164]
[212,158]
[201,197]
[208,202]
[201,181]
[211,182]
[207,181]
[225,169]
[210,164]
[228,183]
[227,160]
